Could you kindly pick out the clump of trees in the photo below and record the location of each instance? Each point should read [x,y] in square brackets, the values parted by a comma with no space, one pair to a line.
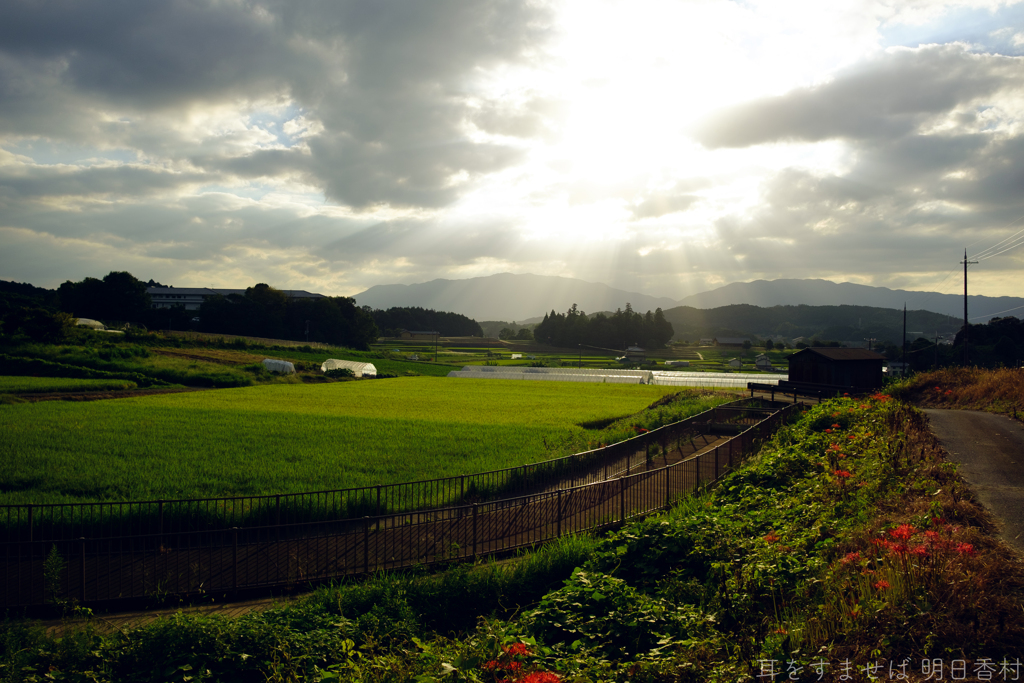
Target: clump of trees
[508,334]
[267,312]
[119,296]
[622,328]
[394,320]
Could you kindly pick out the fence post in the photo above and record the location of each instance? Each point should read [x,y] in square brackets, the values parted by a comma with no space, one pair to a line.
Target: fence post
[366,545]
[668,492]
[30,522]
[559,513]
[474,530]
[277,522]
[234,559]
[622,499]
[82,547]
[378,501]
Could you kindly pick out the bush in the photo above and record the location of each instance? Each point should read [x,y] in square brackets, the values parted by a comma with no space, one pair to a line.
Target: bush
[340,373]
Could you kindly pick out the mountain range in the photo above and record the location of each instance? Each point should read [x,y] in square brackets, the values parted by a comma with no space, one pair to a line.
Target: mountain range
[511,297]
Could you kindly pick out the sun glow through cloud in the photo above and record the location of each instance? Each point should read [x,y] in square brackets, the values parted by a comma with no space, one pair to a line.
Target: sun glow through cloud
[665,146]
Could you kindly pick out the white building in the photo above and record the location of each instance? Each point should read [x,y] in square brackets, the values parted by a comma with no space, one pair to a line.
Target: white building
[191,298]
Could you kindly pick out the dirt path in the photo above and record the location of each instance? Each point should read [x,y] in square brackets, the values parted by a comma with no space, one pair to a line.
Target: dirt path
[990,451]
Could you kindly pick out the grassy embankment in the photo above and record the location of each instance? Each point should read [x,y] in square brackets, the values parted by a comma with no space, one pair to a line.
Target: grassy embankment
[996,391]
[38,385]
[847,544]
[297,437]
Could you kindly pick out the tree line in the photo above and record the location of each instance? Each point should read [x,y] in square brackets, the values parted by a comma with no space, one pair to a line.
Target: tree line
[621,329]
[392,321]
[261,311]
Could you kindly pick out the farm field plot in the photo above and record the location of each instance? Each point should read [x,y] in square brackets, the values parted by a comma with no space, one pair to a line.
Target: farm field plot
[292,438]
[29,385]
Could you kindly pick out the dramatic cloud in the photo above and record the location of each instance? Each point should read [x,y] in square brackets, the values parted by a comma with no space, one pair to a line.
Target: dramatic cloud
[659,147]
[888,96]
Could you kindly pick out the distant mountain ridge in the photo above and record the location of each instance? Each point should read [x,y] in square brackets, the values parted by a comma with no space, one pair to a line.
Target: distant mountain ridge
[511,297]
[767,293]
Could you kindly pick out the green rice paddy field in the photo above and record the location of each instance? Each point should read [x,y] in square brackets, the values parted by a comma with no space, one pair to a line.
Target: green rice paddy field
[294,437]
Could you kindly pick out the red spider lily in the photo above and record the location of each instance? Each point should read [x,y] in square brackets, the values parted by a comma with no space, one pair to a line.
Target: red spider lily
[771,538]
[851,557]
[938,521]
[833,447]
[882,585]
[948,392]
[965,549]
[540,677]
[939,389]
[492,665]
[837,426]
[842,474]
[919,550]
[846,396]
[828,431]
[517,650]
[851,437]
[903,532]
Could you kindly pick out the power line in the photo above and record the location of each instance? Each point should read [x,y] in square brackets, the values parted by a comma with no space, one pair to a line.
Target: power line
[984,253]
[990,315]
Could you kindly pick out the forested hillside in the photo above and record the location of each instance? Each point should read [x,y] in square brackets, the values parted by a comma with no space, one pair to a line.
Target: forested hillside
[842,323]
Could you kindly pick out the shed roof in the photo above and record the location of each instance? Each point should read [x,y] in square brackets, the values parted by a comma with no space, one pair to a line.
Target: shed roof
[840,354]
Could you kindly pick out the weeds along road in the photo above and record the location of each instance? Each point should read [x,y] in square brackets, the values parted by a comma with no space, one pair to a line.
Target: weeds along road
[990,451]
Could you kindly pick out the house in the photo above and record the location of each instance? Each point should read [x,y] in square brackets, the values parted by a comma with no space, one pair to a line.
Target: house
[677,363]
[706,341]
[734,363]
[634,354]
[191,298]
[836,367]
[420,335]
[763,362]
[732,342]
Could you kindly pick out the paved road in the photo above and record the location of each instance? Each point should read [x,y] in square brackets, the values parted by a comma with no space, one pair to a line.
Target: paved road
[990,451]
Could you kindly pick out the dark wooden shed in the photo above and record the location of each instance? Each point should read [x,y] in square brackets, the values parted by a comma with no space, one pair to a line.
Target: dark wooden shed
[856,368]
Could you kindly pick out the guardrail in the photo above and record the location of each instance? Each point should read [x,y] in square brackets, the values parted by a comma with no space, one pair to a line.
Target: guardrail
[67,521]
[135,565]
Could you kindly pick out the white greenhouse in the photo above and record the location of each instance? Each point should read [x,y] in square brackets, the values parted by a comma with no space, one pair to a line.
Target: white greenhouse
[358,369]
[281,367]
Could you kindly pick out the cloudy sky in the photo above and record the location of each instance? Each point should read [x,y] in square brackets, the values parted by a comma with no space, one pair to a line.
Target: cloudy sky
[660,147]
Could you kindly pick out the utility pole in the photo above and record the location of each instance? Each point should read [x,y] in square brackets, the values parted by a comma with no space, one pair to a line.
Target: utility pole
[966,263]
[904,338]
[870,340]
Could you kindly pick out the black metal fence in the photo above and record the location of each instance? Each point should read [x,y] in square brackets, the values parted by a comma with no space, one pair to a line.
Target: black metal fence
[109,551]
